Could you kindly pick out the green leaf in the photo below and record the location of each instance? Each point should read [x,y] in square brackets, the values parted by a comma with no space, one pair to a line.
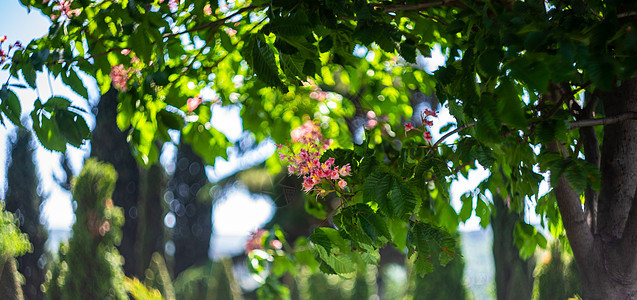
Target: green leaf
[29,74]
[47,132]
[483,212]
[74,81]
[72,127]
[403,199]
[534,73]
[170,120]
[11,107]
[510,104]
[467,207]
[296,24]
[263,62]
[408,51]
[376,188]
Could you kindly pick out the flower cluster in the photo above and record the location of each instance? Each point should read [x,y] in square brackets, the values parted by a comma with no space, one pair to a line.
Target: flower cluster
[119,77]
[64,7]
[307,162]
[425,122]
[5,55]
[257,240]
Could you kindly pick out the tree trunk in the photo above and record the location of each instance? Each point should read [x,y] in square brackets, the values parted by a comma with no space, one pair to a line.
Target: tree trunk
[513,275]
[603,235]
[150,233]
[193,227]
[23,200]
[109,145]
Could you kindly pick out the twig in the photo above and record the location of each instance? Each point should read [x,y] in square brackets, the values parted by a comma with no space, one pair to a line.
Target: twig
[450,133]
[403,7]
[331,213]
[603,121]
[433,18]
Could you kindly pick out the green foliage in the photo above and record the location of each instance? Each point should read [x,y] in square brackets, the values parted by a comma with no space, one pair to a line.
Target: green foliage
[212,280]
[22,198]
[511,79]
[139,291]
[557,275]
[10,279]
[12,241]
[445,281]
[157,277]
[91,265]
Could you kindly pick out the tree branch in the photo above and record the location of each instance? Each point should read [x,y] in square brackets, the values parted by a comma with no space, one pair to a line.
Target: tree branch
[433,18]
[577,229]
[214,23]
[403,7]
[450,133]
[604,121]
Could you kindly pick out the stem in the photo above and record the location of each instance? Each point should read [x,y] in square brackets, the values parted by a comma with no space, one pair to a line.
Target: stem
[331,213]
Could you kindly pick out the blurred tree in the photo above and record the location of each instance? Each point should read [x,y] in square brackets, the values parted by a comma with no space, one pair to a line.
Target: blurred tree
[150,206]
[158,277]
[109,145]
[444,283]
[91,267]
[23,200]
[139,190]
[557,276]
[209,281]
[12,243]
[10,287]
[513,274]
[193,226]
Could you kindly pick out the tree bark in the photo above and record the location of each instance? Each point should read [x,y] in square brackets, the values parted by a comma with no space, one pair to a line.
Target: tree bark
[607,256]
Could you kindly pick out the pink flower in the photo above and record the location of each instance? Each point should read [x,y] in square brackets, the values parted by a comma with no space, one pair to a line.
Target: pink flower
[371,124]
[173,5]
[276,244]
[345,170]
[307,164]
[342,183]
[408,127]
[207,10]
[429,112]
[427,136]
[119,77]
[307,133]
[193,103]
[308,183]
[255,240]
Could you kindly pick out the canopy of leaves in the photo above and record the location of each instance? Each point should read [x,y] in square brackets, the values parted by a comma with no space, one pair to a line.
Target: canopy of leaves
[515,78]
